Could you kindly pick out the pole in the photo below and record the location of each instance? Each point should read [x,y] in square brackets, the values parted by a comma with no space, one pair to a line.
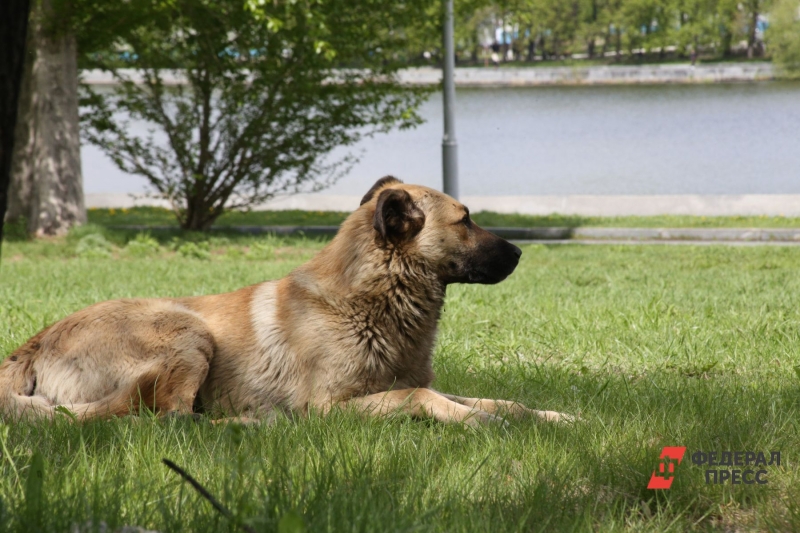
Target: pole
[449,143]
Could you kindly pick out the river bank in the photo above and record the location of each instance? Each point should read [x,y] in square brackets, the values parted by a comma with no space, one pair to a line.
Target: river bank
[672,73]
[595,75]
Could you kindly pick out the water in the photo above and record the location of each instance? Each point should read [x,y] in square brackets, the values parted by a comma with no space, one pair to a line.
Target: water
[706,139]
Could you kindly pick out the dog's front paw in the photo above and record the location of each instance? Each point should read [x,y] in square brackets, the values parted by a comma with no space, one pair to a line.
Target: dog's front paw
[482,418]
[554,416]
[238,420]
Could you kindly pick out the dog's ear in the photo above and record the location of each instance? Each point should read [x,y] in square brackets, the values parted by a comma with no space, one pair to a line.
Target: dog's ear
[396,216]
[386,180]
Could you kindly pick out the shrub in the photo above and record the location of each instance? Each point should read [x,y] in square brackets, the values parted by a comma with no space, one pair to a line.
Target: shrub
[143,245]
[195,250]
[94,246]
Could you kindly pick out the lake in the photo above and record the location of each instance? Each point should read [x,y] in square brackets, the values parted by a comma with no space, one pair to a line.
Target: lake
[662,139]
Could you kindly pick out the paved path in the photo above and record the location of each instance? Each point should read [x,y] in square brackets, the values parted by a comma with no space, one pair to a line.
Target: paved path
[662,243]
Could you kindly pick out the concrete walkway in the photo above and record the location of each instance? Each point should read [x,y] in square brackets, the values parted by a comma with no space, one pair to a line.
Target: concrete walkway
[652,234]
[662,243]
[576,205]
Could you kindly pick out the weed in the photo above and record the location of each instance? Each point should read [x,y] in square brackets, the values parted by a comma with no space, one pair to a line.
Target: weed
[195,250]
[143,245]
[93,246]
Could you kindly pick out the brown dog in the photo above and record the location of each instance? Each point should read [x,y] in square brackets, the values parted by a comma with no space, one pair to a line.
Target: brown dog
[355,326]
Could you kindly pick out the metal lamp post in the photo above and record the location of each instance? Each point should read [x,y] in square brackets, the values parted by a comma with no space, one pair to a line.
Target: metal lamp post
[449,143]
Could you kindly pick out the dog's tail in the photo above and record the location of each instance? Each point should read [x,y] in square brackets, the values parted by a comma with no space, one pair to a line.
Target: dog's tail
[18,398]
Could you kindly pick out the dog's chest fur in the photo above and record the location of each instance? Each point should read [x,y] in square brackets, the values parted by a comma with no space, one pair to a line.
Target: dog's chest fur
[315,345]
[393,332]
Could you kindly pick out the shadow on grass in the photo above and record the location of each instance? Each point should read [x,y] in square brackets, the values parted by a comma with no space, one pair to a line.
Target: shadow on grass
[343,472]
[625,423]
[340,473]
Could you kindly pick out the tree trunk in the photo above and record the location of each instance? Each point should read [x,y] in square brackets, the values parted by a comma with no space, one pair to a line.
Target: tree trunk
[46,184]
[590,48]
[199,215]
[606,39]
[751,35]
[727,39]
[531,50]
[13,29]
[20,191]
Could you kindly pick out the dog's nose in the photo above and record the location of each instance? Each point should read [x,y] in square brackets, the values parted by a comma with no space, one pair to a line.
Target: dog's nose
[517,251]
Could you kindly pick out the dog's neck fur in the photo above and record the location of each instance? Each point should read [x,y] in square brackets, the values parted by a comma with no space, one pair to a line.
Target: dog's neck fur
[391,300]
[351,267]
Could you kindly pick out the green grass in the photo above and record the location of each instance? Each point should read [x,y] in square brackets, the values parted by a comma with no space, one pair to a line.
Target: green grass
[154,216]
[151,216]
[652,345]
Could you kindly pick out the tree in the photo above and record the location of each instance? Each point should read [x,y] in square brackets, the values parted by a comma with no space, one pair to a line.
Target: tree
[555,21]
[46,186]
[13,30]
[645,20]
[784,37]
[591,24]
[753,9]
[266,91]
[692,24]
[727,11]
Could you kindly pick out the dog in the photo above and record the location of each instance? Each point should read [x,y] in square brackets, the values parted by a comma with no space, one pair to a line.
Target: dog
[353,327]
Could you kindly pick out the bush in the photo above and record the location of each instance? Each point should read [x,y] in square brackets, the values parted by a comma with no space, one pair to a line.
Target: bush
[195,250]
[143,245]
[258,114]
[94,246]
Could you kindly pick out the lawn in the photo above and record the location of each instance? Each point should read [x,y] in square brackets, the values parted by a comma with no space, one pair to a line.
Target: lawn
[652,345]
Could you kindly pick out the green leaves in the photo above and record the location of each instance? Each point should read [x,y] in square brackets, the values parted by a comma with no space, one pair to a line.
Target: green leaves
[247,100]
[784,36]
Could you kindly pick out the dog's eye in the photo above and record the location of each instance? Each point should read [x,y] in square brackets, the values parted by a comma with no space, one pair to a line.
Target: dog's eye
[466,221]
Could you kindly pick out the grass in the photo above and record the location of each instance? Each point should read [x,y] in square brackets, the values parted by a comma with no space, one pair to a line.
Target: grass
[152,216]
[652,345]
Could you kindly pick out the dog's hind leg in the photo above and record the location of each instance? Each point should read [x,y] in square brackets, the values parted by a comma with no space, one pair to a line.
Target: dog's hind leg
[177,385]
[168,389]
[507,408]
[421,403]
